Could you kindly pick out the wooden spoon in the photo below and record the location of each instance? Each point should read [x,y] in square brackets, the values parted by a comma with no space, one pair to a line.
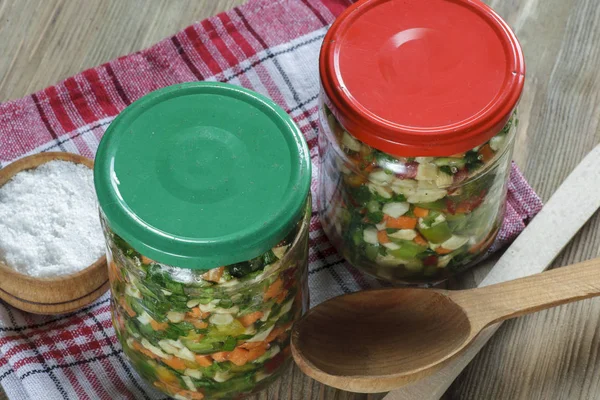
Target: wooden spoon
[379,340]
[56,295]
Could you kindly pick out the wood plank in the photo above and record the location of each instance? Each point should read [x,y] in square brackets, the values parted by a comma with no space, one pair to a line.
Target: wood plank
[554,354]
[45,41]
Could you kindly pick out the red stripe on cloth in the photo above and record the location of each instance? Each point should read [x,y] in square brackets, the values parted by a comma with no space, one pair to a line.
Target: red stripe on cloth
[93,379]
[99,91]
[117,84]
[44,117]
[336,7]
[315,11]
[79,390]
[202,50]
[186,59]
[218,42]
[357,276]
[79,101]
[117,380]
[58,109]
[237,37]
[262,71]
[246,23]
[279,22]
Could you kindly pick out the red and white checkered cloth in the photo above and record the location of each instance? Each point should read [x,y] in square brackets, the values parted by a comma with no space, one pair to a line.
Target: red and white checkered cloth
[270,46]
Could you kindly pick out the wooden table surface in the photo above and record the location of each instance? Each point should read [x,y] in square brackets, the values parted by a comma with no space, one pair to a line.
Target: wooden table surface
[554,354]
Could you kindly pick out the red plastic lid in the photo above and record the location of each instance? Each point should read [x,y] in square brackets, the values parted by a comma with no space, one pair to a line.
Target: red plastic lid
[422,77]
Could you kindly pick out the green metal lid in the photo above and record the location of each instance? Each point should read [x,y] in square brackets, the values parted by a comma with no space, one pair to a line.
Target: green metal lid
[200,175]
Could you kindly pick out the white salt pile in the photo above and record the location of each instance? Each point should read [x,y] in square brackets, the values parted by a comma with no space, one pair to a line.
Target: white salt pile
[49,224]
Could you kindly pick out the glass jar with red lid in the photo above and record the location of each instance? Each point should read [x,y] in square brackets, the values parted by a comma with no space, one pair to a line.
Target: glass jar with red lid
[418,119]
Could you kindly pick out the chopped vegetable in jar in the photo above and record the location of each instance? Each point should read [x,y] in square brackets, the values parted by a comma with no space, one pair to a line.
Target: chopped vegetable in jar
[208,334]
[411,219]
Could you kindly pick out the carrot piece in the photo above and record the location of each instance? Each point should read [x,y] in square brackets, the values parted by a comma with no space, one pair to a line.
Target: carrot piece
[199,324]
[486,152]
[401,222]
[273,290]
[274,333]
[355,180]
[441,250]
[282,296]
[249,319]
[188,394]
[195,313]
[214,275]
[369,168]
[382,237]
[158,326]
[258,351]
[203,361]
[169,389]
[146,260]
[252,345]
[141,349]
[283,336]
[127,307]
[239,356]
[113,271]
[175,363]
[420,240]
[220,356]
[420,212]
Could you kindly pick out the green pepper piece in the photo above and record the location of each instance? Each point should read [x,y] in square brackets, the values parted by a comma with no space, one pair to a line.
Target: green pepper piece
[472,160]
[450,162]
[458,222]
[413,267]
[437,233]
[269,257]
[361,194]
[375,217]
[373,206]
[243,368]
[225,303]
[239,270]
[357,237]
[371,251]
[408,250]
[229,344]
[122,245]
[205,346]
[438,205]
[430,270]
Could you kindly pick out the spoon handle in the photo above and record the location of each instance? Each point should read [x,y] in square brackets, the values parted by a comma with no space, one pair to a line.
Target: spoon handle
[502,301]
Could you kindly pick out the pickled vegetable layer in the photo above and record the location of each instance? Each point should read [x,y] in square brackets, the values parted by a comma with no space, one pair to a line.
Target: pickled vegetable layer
[208,335]
[411,219]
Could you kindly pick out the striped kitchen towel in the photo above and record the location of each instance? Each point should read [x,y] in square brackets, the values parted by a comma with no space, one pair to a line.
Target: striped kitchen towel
[270,46]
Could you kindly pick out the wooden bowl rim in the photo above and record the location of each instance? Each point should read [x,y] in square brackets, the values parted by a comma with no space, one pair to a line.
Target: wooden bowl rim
[32,162]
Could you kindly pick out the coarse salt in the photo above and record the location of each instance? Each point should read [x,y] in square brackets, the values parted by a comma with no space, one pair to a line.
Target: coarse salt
[49,224]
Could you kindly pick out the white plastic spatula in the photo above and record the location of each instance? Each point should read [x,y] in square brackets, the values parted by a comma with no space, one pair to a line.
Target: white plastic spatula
[532,252]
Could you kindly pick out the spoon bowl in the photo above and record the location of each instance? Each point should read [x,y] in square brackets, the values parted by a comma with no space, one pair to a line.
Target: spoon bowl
[379,340]
[346,338]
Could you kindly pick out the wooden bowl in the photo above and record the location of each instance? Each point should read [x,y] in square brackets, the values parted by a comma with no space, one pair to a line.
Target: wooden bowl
[56,295]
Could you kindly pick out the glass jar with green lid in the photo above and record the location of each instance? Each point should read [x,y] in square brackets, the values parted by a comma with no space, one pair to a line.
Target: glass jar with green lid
[204,195]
